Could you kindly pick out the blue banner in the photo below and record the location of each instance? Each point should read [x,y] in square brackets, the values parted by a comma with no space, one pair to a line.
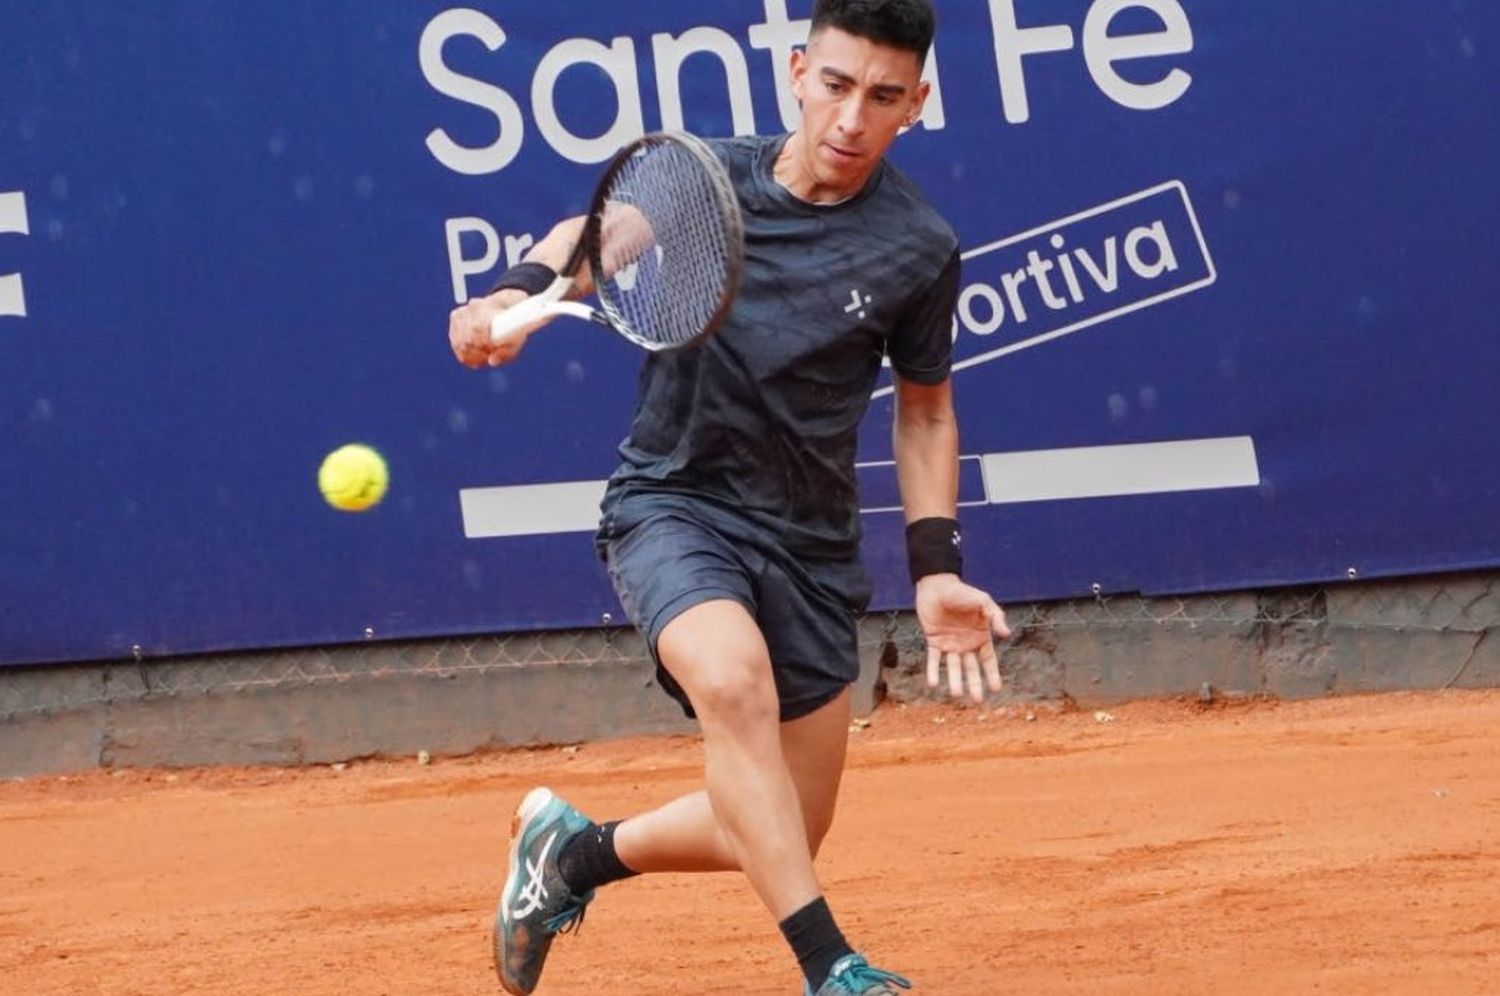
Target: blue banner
[1225,315]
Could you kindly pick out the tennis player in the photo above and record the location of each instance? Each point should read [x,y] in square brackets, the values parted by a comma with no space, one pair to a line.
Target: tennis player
[731,528]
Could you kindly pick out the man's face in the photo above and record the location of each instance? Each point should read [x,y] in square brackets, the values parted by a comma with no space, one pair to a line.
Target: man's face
[856,97]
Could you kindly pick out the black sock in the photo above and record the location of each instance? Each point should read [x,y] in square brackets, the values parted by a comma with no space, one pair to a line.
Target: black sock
[816,940]
[588,860]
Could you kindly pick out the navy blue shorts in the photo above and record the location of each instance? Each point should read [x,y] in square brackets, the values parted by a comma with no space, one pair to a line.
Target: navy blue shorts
[665,560]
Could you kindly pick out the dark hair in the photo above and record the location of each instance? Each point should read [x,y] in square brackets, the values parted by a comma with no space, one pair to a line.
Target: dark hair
[903,24]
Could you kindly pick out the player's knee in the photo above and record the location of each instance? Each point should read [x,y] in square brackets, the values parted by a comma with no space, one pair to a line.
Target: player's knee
[739,696]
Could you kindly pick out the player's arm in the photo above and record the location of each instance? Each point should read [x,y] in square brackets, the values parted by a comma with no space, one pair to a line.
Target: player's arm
[469,324]
[925,441]
[957,618]
[555,248]
[626,234]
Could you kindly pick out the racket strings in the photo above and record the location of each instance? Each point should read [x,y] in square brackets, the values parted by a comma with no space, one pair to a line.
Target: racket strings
[667,246]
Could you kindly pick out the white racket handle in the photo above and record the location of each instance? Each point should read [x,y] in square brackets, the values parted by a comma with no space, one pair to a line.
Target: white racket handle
[527,316]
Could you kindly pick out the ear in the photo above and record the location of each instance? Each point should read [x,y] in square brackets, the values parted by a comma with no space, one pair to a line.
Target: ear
[918,101]
[799,72]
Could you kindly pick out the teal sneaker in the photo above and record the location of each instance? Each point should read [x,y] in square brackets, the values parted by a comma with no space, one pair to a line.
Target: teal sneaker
[536,904]
[852,974]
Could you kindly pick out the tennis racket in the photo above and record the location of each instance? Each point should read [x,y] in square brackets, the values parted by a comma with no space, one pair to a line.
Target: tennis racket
[664,241]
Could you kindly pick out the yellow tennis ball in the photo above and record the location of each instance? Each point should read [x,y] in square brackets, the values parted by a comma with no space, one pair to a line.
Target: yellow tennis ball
[353,477]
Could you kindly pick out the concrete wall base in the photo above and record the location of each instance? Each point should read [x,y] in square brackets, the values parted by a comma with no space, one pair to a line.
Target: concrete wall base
[331,704]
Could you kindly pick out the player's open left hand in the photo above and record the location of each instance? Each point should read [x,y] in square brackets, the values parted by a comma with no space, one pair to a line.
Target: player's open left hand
[469,330]
[960,623]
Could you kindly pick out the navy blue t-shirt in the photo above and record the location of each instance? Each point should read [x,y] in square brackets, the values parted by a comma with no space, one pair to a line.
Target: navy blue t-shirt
[759,422]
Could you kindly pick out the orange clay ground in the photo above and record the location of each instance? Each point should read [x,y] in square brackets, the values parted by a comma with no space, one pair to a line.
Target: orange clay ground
[1340,846]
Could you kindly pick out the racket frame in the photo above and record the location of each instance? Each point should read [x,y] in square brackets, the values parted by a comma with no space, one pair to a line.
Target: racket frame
[526,316]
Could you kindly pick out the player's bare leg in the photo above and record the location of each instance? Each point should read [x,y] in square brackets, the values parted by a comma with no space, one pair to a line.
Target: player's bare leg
[772,790]
[685,836]
[716,653]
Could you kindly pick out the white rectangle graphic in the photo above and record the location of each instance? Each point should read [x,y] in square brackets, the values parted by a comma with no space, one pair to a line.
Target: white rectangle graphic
[12,295]
[1174,186]
[1023,475]
[1112,471]
[531,509]
[1072,309]
[13,221]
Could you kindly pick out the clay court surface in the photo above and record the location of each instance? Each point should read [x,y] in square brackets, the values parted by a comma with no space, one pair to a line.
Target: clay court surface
[1339,846]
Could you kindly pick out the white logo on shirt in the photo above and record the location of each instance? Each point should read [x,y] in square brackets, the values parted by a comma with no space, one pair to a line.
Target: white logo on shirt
[857,302]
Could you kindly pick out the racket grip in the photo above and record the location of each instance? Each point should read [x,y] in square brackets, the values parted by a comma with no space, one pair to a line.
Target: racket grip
[521,319]
[525,317]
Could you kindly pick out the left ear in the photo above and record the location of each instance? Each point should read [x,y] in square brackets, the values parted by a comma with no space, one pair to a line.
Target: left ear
[914,111]
[918,101]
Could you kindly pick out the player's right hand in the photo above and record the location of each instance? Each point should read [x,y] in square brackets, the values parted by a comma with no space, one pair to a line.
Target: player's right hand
[469,330]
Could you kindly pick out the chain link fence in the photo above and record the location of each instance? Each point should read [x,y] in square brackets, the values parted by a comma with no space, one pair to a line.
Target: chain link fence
[1290,641]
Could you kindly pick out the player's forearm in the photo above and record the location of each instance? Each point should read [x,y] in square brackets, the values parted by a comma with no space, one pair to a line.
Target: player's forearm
[556,248]
[925,441]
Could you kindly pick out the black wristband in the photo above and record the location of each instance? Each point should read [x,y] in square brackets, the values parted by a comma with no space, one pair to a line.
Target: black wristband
[533,278]
[933,546]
